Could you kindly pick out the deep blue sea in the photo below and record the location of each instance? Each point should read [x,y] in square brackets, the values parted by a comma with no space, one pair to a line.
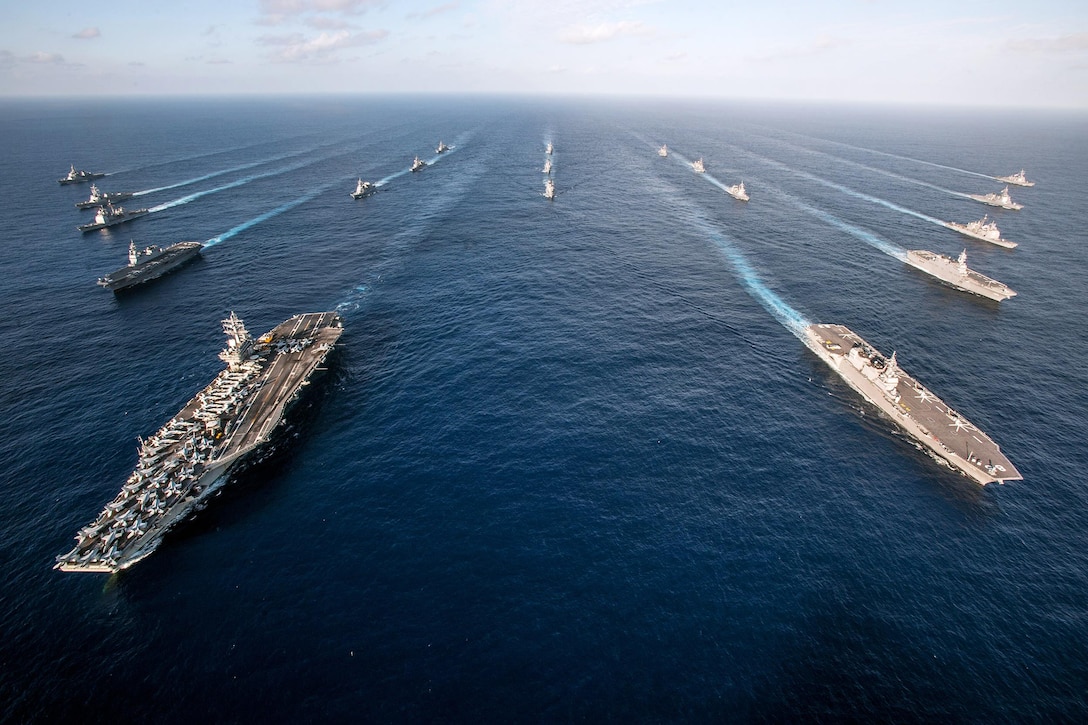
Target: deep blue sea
[571,461]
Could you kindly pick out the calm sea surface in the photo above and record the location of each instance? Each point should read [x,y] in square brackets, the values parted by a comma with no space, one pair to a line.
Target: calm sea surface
[570,462]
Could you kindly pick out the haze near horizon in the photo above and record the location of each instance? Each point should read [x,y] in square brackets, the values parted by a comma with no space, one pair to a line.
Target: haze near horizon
[993,54]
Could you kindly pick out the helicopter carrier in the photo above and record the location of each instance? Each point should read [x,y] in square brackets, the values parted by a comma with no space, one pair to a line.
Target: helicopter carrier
[927,418]
[193,455]
[149,263]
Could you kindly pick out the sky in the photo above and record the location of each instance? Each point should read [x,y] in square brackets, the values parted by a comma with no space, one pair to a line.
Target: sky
[999,53]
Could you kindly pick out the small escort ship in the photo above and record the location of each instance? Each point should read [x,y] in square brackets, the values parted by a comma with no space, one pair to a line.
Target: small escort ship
[110,215]
[548,149]
[956,273]
[1019,179]
[441,148]
[99,198]
[737,192]
[983,230]
[697,166]
[78,177]
[1001,199]
[663,151]
[547,166]
[149,263]
[364,189]
[549,189]
[193,455]
[910,405]
[418,164]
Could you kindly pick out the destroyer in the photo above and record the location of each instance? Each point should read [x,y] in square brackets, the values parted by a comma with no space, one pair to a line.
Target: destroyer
[737,192]
[110,215]
[98,198]
[956,273]
[915,409]
[983,230]
[441,148]
[149,263]
[193,455]
[697,166]
[1001,199]
[549,189]
[548,149]
[1019,179]
[418,164]
[547,166]
[663,152]
[363,189]
[78,177]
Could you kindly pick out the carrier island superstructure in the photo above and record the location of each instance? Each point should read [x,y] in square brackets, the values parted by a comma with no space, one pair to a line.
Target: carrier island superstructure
[919,412]
[193,455]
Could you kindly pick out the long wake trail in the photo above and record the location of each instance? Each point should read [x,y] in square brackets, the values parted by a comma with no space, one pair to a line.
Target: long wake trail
[898,156]
[234,231]
[875,170]
[408,170]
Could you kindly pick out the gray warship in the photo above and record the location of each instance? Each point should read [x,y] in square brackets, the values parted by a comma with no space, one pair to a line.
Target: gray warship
[100,198]
[364,189]
[418,164]
[110,215]
[956,273]
[999,198]
[78,177]
[193,455]
[982,230]
[927,418]
[149,263]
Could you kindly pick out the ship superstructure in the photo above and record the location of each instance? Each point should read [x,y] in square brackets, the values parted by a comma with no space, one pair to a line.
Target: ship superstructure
[549,148]
[956,273]
[914,408]
[149,263]
[110,215]
[418,164]
[441,148]
[363,189]
[1001,199]
[663,152]
[547,166]
[193,455]
[983,230]
[100,198]
[697,166]
[737,192]
[549,189]
[1018,178]
[78,177]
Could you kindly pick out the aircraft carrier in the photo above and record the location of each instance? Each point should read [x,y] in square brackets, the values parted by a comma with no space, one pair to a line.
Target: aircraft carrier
[927,418]
[149,263]
[193,455]
[956,273]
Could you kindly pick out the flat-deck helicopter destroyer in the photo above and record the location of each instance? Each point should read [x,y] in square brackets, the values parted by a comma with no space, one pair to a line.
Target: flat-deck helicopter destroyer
[149,263]
[193,455]
[956,273]
[927,418]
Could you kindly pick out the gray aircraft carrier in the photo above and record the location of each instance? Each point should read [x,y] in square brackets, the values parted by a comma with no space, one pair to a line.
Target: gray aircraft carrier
[193,455]
[918,411]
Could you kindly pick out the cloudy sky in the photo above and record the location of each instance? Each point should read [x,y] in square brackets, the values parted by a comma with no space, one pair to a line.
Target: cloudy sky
[995,53]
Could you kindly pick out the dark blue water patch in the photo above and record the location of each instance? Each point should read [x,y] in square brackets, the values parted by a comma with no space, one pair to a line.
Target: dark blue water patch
[565,464]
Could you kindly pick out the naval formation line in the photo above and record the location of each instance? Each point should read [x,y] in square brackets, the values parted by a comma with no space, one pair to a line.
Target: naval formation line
[239,412]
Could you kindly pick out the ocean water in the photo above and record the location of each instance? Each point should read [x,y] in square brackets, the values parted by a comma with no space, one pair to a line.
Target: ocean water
[571,461]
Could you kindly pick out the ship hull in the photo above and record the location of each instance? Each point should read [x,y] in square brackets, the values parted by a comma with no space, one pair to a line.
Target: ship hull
[968,233]
[287,371]
[1012,206]
[127,218]
[82,179]
[921,417]
[172,258]
[945,270]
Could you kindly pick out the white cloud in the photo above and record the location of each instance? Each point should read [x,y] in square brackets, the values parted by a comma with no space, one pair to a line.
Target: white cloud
[1077,42]
[43,57]
[296,48]
[436,10]
[87,34]
[586,34]
[284,8]
[821,45]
